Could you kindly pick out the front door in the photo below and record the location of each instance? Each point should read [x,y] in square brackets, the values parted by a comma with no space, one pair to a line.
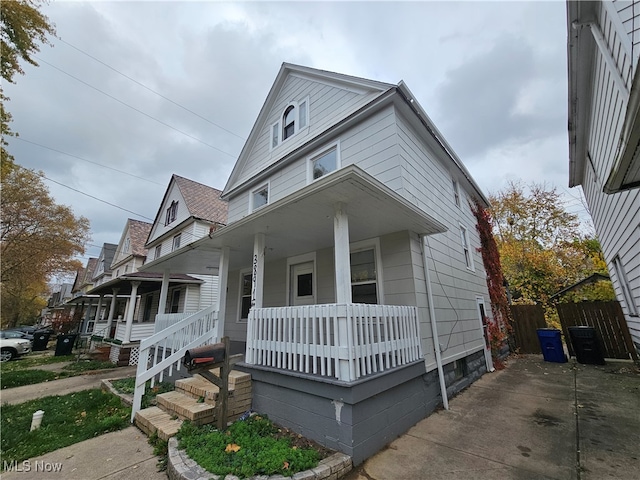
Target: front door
[302,285]
[482,315]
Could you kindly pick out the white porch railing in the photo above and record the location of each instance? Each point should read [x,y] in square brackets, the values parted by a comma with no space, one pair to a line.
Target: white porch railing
[342,341]
[139,331]
[169,347]
[100,329]
[165,320]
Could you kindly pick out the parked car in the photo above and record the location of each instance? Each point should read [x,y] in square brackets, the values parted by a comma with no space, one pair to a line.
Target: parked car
[12,345]
[14,333]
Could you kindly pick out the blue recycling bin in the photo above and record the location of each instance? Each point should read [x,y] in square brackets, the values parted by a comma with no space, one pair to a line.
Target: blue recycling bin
[551,345]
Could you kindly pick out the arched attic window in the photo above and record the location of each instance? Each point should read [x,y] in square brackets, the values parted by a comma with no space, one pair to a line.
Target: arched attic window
[289,122]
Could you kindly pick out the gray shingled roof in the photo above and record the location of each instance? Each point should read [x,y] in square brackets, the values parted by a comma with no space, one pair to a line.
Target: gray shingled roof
[138,232]
[202,201]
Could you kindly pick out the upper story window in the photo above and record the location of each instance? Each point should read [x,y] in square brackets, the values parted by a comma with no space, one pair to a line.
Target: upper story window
[456,193]
[127,245]
[324,163]
[464,238]
[294,118]
[176,242]
[623,282]
[288,122]
[259,197]
[171,213]
[157,252]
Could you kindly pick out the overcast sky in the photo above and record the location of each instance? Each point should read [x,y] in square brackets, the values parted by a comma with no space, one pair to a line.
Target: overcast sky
[133,92]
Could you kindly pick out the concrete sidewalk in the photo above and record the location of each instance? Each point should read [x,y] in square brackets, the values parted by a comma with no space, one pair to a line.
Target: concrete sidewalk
[534,420]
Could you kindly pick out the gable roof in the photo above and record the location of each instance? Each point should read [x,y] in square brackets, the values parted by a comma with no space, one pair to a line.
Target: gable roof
[202,202]
[138,232]
[84,275]
[286,70]
[386,91]
[109,250]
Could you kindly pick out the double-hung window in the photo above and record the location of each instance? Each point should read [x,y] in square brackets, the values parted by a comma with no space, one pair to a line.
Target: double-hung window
[624,286]
[172,211]
[246,283]
[464,239]
[176,242]
[324,162]
[456,193]
[259,197]
[364,282]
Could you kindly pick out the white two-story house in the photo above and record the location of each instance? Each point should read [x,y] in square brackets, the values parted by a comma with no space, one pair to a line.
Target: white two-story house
[349,269]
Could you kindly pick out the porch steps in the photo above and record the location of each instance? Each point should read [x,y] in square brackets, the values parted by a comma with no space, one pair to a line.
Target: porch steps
[194,399]
[155,420]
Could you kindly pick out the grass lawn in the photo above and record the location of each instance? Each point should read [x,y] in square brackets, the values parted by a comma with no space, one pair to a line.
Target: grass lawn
[247,448]
[68,419]
[33,360]
[16,377]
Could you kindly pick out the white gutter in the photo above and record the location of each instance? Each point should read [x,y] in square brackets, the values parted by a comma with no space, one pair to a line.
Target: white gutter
[434,327]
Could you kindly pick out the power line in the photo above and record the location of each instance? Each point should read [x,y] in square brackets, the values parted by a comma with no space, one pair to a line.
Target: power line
[135,109]
[151,90]
[95,198]
[88,161]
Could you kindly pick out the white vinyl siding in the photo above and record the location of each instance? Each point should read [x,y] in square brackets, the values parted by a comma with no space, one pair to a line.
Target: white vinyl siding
[182,213]
[326,104]
[615,216]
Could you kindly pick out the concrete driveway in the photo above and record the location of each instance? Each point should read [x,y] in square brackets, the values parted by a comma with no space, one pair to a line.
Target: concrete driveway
[533,420]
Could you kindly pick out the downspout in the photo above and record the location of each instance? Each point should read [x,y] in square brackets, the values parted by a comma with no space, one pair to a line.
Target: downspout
[434,327]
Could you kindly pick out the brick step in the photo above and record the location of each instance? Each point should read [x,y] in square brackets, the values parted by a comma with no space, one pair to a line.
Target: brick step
[186,407]
[154,420]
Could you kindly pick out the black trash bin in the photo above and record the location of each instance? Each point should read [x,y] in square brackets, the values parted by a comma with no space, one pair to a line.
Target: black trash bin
[64,344]
[551,345]
[586,345]
[40,340]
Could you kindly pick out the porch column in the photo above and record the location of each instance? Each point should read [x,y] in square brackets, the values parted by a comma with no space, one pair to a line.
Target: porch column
[164,290]
[223,278]
[87,316]
[257,276]
[96,319]
[346,367]
[341,255]
[130,311]
[112,311]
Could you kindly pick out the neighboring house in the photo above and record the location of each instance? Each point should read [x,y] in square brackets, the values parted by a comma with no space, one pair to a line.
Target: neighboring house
[56,303]
[604,135]
[189,211]
[102,272]
[148,301]
[349,268]
[81,304]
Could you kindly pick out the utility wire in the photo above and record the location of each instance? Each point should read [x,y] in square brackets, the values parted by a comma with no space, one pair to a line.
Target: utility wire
[88,161]
[95,198]
[135,109]
[151,90]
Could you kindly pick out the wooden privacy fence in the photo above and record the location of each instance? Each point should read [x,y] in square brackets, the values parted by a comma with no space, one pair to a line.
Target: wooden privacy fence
[608,321]
[526,321]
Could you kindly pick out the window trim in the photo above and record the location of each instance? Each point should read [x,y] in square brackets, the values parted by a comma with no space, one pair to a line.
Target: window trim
[319,153]
[252,207]
[243,273]
[171,213]
[465,243]
[278,126]
[173,242]
[625,286]
[371,244]
[456,192]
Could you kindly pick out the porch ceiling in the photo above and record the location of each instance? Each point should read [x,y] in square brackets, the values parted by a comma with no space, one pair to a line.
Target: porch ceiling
[303,222]
[149,282]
